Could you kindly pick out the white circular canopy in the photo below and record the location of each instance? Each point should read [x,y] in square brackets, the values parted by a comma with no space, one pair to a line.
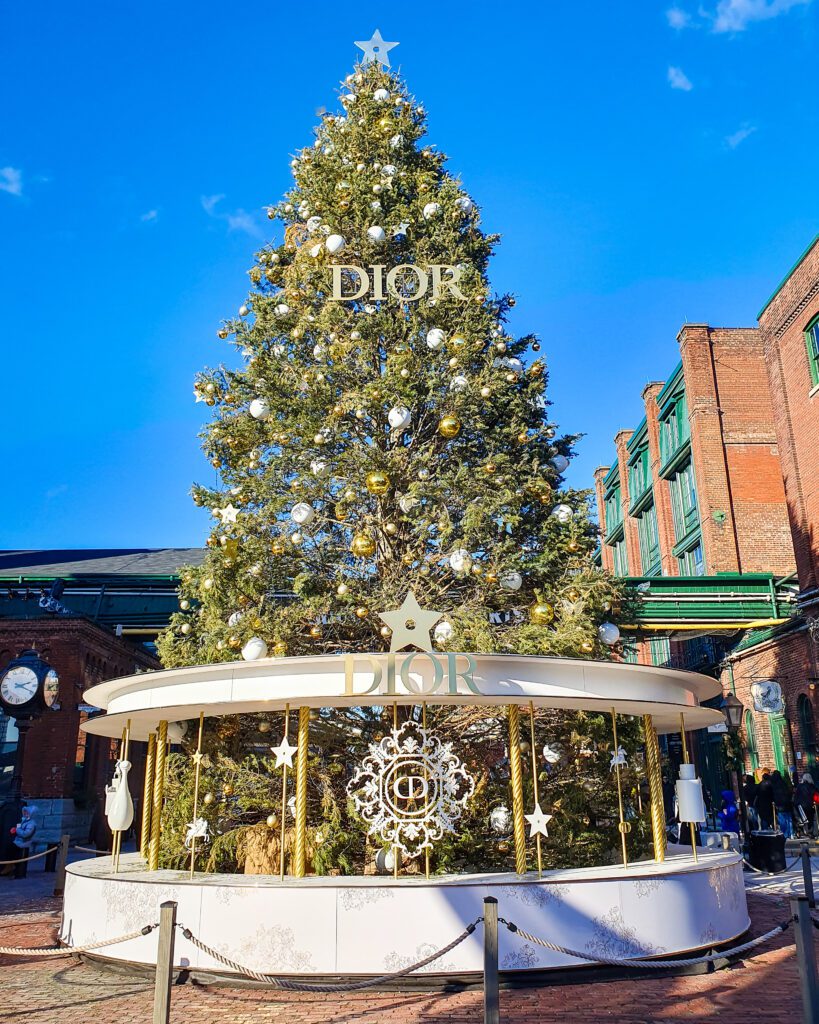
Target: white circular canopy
[343,680]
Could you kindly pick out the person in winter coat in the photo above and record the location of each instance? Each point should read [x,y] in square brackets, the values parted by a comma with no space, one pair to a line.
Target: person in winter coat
[729,815]
[783,798]
[806,795]
[764,800]
[23,833]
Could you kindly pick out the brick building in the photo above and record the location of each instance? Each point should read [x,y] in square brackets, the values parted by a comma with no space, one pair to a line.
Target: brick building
[110,607]
[720,481]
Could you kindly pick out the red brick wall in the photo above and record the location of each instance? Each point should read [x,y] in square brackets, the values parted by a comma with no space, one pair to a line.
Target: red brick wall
[796,407]
[82,654]
[662,493]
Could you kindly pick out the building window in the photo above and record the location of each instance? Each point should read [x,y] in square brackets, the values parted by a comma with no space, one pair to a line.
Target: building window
[674,427]
[649,542]
[750,741]
[660,651]
[807,727]
[620,557]
[812,341]
[613,507]
[639,477]
[691,562]
[684,502]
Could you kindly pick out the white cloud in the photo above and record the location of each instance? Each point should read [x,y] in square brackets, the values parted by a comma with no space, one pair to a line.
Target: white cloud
[239,220]
[149,216]
[678,18]
[737,15]
[55,492]
[678,79]
[11,181]
[739,136]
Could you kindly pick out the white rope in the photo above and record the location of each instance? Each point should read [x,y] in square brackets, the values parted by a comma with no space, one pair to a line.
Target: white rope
[658,964]
[74,950]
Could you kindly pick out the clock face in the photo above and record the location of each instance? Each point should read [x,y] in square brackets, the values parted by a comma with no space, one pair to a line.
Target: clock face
[51,687]
[19,685]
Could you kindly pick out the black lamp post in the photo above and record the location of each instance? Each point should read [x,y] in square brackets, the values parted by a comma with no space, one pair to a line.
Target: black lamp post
[733,710]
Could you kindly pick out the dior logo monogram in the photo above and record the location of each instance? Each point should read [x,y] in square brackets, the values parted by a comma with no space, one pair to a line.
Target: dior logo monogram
[447,675]
[406,282]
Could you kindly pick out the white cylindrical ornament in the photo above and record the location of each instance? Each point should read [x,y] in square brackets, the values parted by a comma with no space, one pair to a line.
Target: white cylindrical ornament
[254,649]
[690,803]
[259,409]
[302,513]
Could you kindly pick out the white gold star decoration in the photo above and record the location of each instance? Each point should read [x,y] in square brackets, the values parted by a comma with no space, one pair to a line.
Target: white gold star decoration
[197,394]
[538,822]
[410,625]
[228,514]
[284,753]
[375,49]
[411,789]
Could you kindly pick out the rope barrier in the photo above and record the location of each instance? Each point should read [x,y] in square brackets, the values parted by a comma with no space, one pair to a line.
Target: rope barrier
[74,950]
[88,849]
[34,856]
[352,986]
[656,964]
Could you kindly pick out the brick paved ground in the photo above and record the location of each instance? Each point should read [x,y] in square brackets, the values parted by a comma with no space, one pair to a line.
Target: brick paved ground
[64,991]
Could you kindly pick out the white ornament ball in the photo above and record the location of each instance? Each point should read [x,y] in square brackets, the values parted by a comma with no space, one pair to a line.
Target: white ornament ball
[465,205]
[254,649]
[259,409]
[318,468]
[235,619]
[335,243]
[513,364]
[399,417]
[388,170]
[500,819]
[244,310]
[313,224]
[381,95]
[376,233]
[282,309]
[302,513]
[185,628]
[608,633]
[559,463]
[435,338]
[396,141]
[460,560]
[458,383]
[431,210]
[511,581]
[562,513]
[443,632]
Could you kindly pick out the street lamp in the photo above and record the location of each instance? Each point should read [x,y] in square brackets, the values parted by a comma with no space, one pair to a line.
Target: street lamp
[733,710]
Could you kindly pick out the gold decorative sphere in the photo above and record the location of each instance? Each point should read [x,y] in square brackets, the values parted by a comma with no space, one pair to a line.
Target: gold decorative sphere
[573,545]
[234,642]
[362,612]
[338,410]
[227,789]
[449,426]
[276,547]
[523,437]
[503,846]
[377,482]
[208,799]
[342,589]
[315,631]
[587,646]
[222,332]
[272,820]
[264,726]
[457,341]
[385,631]
[184,604]
[490,468]
[391,529]
[541,613]
[363,546]
[279,650]
[572,594]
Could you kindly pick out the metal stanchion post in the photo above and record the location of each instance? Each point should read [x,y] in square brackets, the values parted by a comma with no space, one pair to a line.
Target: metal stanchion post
[806,959]
[62,860]
[164,963]
[807,874]
[491,995]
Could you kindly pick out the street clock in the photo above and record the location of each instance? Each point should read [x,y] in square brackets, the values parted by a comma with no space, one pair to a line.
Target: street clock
[28,686]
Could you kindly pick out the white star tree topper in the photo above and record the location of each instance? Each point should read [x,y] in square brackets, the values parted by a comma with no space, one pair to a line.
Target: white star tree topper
[375,49]
[228,514]
[410,625]
[284,753]
[538,822]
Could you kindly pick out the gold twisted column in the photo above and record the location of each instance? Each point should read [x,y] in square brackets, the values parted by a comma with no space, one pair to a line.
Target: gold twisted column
[300,859]
[655,788]
[517,789]
[158,794]
[147,797]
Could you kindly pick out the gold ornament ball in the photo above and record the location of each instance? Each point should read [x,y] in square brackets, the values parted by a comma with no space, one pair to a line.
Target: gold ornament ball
[338,410]
[243,600]
[523,437]
[277,548]
[208,799]
[315,631]
[503,846]
[272,820]
[573,545]
[362,612]
[279,650]
[264,726]
[222,332]
[377,482]
[184,604]
[234,642]
[363,546]
[490,468]
[541,613]
[587,646]
[511,378]
[227,789]
[572,594]
[449,427]
[385,631]
[524,747]
[391,529]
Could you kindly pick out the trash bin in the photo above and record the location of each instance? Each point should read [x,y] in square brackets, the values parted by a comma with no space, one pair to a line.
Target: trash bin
[766,851]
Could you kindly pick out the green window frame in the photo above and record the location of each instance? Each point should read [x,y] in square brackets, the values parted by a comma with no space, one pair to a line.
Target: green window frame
[684,506]
[692,561]
[639,477]
[807,727]
[620,556]
[812,342]
[650,562]
[613,507]
[660,651]
[751,744]
[675,429]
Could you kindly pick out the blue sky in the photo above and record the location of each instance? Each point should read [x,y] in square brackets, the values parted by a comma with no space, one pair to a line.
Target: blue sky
[646,163]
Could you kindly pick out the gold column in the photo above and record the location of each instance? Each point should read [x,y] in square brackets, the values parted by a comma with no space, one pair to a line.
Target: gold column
[623,826]
[197,760]
[655,788]
[147,797]
[517,789]
[301,794]
[158,794]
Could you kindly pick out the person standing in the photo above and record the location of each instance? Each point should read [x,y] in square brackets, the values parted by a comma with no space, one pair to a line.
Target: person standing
[763,802]
[805,797]
[23,833]
[783,799]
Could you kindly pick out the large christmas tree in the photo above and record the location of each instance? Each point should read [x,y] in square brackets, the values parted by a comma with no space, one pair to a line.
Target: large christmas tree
[385,432]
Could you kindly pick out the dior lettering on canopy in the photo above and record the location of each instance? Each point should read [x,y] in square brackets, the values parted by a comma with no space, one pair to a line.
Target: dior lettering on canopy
[406,282]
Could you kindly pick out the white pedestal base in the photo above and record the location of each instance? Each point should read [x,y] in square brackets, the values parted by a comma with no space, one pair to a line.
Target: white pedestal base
[373,925]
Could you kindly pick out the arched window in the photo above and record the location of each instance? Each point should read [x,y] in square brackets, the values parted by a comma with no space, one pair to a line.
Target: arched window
[807,726]
[750,741]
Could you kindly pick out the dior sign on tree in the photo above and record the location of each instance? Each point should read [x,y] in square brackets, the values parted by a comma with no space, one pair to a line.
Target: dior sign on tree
[406,282]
